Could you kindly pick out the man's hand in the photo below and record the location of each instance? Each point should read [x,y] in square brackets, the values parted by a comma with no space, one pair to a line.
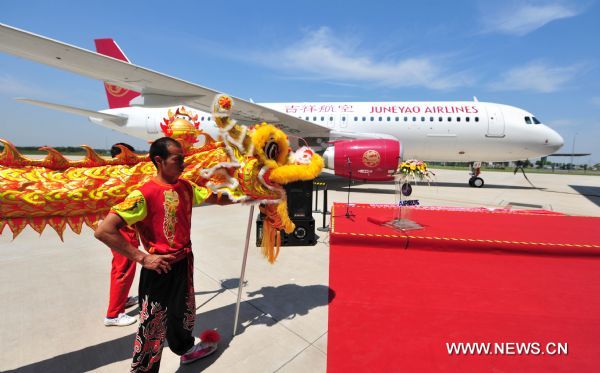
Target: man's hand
[108,232]
[158,263]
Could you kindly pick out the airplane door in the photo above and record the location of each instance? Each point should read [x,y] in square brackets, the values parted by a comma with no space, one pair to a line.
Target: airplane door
[151,124]
[495,122]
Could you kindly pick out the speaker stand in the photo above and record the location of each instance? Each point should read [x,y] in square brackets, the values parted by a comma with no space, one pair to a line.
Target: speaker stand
[348,214]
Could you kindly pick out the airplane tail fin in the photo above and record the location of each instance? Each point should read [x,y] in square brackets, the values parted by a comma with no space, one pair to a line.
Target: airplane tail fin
[117,97]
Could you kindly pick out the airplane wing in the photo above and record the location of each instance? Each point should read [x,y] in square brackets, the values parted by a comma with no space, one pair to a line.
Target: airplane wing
[156,89]
[568,154]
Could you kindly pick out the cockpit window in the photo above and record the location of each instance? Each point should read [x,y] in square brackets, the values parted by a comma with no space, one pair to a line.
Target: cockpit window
[536,121]
[527,120]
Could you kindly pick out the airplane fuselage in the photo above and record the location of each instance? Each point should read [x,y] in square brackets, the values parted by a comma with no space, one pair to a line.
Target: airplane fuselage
[436,131]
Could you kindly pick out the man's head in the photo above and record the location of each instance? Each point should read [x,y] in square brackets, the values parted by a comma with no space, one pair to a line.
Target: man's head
[167,156]
[115,150]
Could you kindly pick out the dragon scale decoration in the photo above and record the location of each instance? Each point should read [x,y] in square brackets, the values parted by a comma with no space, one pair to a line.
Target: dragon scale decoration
[248,165]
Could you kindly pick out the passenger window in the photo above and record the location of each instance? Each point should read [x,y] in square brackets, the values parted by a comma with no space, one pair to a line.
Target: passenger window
[431,119]
[322,119]
[536,121]
[331,118]
[380,119]
[458,119]
[343,119]
[414,119]
[306,118]
[388,119]
[314,119]
[397,119]
[406,119]
[476,119]
[364,119]
[372,119]
[356,119]
[527,120]
[467,119]
[422,119]
[449,119]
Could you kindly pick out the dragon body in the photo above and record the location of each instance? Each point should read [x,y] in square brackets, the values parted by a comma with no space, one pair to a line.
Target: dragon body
[246,165]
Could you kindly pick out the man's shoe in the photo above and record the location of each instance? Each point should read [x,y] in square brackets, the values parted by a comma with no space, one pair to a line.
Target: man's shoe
[122,320]
[131,301]
[209,342]
[202,349]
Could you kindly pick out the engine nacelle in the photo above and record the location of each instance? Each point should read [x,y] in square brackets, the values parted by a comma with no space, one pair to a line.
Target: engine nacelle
[370,159]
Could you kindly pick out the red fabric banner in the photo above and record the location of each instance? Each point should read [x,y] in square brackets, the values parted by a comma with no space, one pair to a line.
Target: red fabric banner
[474,290]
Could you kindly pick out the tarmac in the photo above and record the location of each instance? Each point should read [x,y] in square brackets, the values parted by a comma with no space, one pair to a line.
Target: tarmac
[54,294]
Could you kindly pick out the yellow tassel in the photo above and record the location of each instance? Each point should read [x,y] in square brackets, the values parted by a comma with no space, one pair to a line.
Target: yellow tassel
[274,222]
[271,241]
[284,219]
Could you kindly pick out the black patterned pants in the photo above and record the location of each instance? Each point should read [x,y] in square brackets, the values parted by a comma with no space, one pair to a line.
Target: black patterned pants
[167,310]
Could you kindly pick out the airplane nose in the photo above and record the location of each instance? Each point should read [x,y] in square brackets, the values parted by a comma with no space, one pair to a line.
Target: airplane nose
[554,140]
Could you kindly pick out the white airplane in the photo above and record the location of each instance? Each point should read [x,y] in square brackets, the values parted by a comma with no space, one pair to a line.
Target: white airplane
[362,140]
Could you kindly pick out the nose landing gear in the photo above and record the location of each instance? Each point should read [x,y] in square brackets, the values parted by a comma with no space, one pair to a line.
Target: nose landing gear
[475,181]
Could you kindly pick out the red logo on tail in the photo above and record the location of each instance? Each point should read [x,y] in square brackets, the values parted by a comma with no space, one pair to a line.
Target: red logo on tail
[116,91]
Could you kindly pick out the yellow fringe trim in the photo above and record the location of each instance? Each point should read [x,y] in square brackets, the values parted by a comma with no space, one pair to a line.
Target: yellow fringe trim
[264,133]
[289,173]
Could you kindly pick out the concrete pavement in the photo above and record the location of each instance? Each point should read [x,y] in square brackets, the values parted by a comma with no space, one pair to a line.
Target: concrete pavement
[54,294]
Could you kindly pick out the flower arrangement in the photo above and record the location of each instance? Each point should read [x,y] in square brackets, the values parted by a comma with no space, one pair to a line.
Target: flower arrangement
[415,170]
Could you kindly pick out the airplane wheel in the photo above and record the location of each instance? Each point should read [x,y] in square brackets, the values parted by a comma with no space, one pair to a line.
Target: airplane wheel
[471,182]
[477,182]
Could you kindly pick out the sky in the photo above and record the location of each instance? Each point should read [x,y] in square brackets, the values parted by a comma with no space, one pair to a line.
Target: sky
[541,56]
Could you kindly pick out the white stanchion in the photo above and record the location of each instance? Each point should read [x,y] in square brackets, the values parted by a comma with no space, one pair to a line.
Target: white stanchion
[242,275]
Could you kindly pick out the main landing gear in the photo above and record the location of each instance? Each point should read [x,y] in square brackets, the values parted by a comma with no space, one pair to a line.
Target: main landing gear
[475,181]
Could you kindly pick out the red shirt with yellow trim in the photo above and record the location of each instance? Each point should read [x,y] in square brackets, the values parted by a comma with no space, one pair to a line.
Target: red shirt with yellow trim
[161,213]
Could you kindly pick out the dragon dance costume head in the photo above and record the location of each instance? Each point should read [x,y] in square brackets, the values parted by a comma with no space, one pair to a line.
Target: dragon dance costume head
[247,165]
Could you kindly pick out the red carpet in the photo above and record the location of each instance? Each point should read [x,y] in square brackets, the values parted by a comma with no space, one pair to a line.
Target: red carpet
[514,279]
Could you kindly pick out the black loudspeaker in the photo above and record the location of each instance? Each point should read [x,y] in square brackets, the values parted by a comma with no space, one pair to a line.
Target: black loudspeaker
[303,235]
[299,199]
[299,203]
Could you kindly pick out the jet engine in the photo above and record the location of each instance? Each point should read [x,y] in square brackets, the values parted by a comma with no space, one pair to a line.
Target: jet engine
[367,159]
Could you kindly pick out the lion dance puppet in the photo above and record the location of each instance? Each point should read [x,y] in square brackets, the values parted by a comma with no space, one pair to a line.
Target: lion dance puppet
[248,165]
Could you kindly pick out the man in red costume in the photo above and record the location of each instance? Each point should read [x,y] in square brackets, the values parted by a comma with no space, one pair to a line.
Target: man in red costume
[160,211]
[122,273]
